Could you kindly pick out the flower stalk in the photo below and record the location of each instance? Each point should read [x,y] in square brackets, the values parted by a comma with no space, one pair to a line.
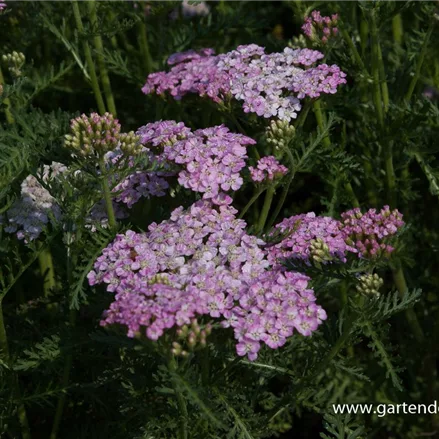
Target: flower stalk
[87,51]
[5,355]
[181,402]
[107,195]
[99,47]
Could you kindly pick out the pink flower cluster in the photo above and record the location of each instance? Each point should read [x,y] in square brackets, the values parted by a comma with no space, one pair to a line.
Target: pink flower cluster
[210,159]
[268,168]
[368,232]
[202,262]
[325,239]
[270,85]
[322,28]
[2,6]
[300,233]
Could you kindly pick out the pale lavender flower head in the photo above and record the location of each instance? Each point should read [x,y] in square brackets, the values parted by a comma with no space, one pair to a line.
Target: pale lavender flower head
[36,209]
[268,168]
[270,85]
[200,9]
[3,6]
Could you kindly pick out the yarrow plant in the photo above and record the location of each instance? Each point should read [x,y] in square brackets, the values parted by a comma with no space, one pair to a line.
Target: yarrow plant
[210,249]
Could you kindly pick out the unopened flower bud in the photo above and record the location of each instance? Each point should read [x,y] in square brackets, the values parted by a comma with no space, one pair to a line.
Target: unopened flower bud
[279,133]
[369,284]
[130,143]
[319,251]
[192,341]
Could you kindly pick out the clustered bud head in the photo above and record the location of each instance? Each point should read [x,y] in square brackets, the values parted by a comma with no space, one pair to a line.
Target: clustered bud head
[191,336]
[268,168]
[369,284]
[319,251]
[130,143]
[279,134]
[320,29]
[15,61]
[93,135]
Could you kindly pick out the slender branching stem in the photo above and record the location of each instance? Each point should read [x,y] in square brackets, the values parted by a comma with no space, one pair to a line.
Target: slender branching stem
[47,271]
[397,29]
[5,356]
[265,208]
[384,87]
[99,47]
[251,201]
[65,382]
[181,402]
[401,286]
[281,201]
[87,51]
[419,63]
[107,195]
[354,52]
[144,46]
[375,60]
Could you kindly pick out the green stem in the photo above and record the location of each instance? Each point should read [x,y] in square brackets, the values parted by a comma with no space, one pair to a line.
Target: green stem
[384,87]
[181,403]
[364,35]
[397,28]
[89,59]
[107,195]
[401,286]
[281,202]
[354,52]
[419,63]
[350,190]
[390,178]
[65,382]
[7,102]
[319,118]
[144,46]
[99,46]
[265,209]
[251,201]
[376,86]
[5,355]
[47,271]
